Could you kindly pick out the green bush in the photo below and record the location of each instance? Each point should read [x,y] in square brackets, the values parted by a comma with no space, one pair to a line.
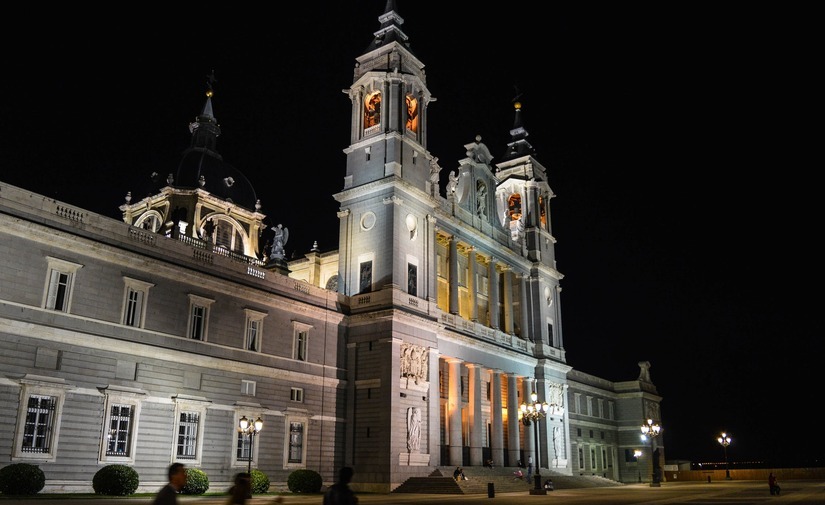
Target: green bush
[21,478]
[115,480]
[304,481]
[260,482]
[196,481]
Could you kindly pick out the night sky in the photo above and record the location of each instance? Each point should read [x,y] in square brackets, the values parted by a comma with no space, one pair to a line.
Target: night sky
[674,137]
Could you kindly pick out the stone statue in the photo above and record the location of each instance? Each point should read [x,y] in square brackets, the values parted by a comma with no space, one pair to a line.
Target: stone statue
[453,182]
[280,240]
[413,429]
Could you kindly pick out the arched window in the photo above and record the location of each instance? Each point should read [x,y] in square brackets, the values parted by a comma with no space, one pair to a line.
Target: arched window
[542,213]
[514,206]
[372,109]
[412,113]
[225,234]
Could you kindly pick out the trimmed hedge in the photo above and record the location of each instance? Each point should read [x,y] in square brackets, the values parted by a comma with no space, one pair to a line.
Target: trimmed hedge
[196,481]
[21,479]
[116,480]
[260,482]
[304,481]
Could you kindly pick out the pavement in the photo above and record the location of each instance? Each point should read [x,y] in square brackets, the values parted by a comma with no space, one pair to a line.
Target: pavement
[801,492]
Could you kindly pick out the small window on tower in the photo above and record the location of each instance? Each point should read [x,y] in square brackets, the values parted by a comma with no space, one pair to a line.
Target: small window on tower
[372,109]
[412,113]
[514,206]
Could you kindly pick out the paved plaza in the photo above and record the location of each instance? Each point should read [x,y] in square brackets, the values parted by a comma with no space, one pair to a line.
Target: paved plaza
[807,492]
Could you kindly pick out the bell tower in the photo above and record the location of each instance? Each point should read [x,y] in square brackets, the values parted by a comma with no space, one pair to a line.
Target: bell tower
[390,177]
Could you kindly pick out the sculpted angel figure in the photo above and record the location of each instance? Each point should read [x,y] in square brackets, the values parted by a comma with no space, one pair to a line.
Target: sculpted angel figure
[280,240]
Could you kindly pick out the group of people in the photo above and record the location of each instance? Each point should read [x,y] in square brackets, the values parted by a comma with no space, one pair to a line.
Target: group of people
[241,491]
[458,474]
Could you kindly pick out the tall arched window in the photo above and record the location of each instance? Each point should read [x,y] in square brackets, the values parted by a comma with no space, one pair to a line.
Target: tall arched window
[372,109]
[412,113]
[514,206]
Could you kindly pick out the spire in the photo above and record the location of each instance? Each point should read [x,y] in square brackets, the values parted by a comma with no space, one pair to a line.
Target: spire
[518,146]
[390,30]
[205,129]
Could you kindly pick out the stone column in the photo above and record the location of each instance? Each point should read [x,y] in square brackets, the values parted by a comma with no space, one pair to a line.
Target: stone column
[529,438]
[453,275]
[454,412]
[475,419]
[471,284]
[433,410]
[508,300]
[497,440]
[492,295]
[513,442]
[524,311]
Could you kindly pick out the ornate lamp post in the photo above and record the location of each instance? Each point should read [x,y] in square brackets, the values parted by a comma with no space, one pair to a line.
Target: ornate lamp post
[251,429]
[724,440]
[531,414]
[651,431]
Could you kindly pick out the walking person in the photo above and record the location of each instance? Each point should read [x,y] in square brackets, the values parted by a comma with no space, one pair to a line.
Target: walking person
[340,492]
[241,490]
[168,494]
[529,468]
[772,484]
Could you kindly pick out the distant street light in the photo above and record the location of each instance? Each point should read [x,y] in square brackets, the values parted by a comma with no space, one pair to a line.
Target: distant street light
[651,431]
[724,440]
[638,454]
[250,429]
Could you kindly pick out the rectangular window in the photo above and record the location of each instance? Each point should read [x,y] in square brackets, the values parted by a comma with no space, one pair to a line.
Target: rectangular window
[134,302]
[365,270]
[254,330]
[247,387]
[253,327]
[198,317]
[578,432]
[412,279]
[134,307]
[296,442]
[296,395]
[244,447]
[300,352]
[581,458]
[188,435]
[58,297]
[59,282]
[37,433]
[198,322]
[119,435]
[593,462]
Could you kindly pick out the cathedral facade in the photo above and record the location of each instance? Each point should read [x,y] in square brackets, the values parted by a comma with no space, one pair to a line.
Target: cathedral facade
[418,343]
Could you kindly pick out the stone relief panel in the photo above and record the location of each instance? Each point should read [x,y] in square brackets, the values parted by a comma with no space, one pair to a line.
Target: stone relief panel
[414,362]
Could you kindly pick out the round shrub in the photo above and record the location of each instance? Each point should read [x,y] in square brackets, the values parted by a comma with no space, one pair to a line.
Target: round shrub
[21,478]
[260,482]
[304,481]
[196,481]
[115,480]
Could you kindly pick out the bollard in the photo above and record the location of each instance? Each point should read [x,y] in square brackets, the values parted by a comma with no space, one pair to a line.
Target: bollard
[491,490]
[708,479]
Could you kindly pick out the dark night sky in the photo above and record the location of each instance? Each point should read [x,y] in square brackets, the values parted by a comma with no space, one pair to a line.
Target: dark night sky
[673,136]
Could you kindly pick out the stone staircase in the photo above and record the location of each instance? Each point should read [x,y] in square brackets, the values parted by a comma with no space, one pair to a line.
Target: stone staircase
[441,481]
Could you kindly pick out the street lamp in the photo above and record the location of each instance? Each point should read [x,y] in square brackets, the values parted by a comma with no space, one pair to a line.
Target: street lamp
[638,454]
[725,441]
[531,414]
[651,431]
[251,429]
